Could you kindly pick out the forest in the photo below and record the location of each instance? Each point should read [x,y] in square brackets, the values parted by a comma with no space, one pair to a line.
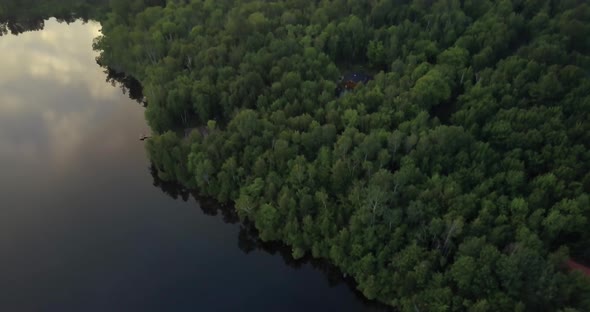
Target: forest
[456,179]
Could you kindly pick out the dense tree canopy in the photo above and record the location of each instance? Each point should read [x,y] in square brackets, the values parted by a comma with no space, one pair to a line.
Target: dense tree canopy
[457,179]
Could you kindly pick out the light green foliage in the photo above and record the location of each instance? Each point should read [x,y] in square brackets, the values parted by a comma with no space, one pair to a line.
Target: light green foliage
[456,180]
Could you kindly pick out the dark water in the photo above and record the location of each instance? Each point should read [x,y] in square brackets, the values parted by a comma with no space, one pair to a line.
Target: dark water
[83,228]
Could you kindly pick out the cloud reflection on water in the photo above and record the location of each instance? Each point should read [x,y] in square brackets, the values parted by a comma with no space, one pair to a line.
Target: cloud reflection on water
[51,91]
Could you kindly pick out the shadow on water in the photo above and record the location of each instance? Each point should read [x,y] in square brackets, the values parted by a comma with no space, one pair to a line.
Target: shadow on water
[126,83]
[249,241]
[20,16]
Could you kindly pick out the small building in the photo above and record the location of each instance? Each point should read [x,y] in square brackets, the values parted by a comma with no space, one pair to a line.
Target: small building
[575,266]
[349,81]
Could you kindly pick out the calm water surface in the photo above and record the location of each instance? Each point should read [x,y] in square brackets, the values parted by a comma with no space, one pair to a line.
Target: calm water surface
[83,228]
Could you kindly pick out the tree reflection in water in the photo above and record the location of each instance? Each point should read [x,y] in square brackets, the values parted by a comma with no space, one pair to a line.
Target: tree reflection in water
[249,241]
[19,16]
[126,83]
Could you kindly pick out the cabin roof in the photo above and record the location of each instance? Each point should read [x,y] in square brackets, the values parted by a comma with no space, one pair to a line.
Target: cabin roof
[578,267]
[356,77]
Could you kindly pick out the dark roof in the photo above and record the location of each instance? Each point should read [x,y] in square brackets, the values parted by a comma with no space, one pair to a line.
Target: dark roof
[578,267]
[357,77]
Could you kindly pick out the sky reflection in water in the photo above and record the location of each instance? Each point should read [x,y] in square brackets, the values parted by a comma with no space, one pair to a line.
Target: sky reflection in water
[50,93]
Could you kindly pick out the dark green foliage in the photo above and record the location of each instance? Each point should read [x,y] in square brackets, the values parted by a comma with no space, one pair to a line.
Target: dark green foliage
[456,180]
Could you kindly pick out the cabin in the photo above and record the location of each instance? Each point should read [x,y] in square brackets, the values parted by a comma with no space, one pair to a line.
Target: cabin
[349,81]
[575,266]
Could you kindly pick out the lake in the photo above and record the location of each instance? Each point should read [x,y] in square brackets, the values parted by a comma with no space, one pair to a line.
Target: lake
[84,228]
